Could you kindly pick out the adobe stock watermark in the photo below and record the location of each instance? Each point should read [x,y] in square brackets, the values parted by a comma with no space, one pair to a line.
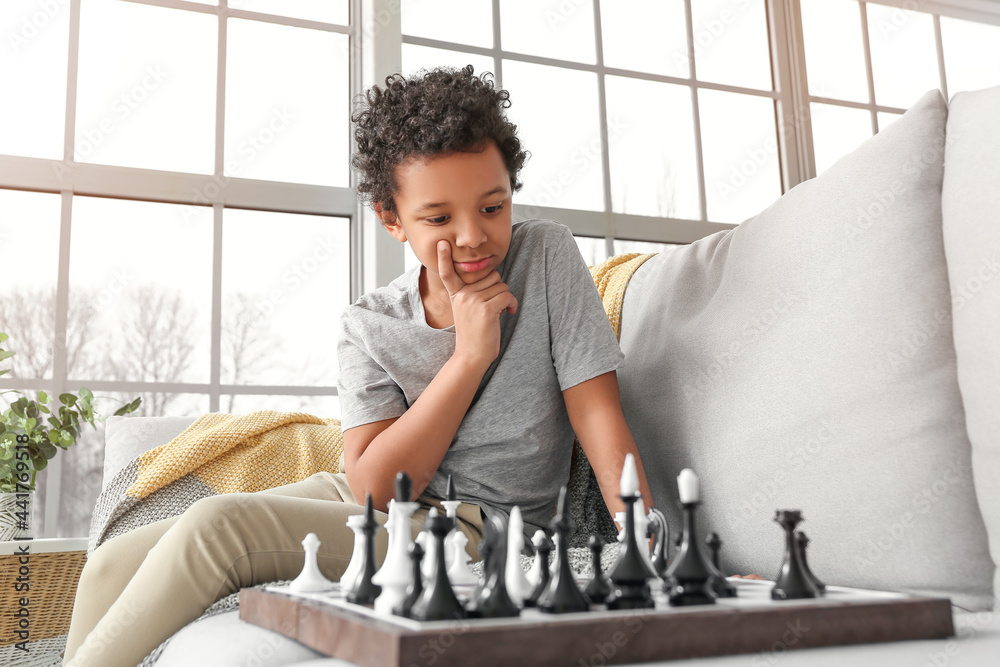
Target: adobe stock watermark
[123,106]
[896,19]
[606,648]
[710,31]
[103,637]
[793,633]
[249,149]
[294,277]
[967,627]
[33,23]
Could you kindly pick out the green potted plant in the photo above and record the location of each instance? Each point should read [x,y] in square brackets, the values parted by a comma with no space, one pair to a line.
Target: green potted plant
[32,431]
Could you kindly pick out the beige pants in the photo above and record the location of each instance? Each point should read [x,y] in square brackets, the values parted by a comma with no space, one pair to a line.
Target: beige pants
[138,589]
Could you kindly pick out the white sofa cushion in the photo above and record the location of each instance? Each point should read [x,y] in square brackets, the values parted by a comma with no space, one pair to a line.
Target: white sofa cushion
[970,204]
[804,360]
[127,437]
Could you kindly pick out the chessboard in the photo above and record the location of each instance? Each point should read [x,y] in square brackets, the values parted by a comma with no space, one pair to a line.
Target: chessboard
[751,623]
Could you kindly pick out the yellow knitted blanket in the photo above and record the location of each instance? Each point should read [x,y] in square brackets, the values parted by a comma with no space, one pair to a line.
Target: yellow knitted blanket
[223,453]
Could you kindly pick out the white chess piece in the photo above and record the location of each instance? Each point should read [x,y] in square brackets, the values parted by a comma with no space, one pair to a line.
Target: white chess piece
[310,580]
[517,584]
[451,511]
[534,574]
[426,542]
[459,572]
[394,575]
[350,576]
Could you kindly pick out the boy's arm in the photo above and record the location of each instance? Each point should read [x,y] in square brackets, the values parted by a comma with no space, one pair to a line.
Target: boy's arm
[595,411]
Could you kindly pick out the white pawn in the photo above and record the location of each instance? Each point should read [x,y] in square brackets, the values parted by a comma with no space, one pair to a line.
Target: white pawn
[426,565]
[517,584]
[310,580]
[459,572]
[350,576]
[535,573]
[394,575]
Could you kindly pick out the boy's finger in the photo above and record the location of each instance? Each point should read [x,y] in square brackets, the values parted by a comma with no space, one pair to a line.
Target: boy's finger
[446,269]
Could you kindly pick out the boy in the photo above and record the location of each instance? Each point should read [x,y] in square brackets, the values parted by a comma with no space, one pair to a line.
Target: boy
[482,363]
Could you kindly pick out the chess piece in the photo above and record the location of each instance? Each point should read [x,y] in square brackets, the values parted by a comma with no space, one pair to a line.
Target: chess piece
[721,586]
[540,568]
[450,505]
[416,585]
[427,567]
[690,574]
[562,595]
[310,580]
[364,590]
[459,572]
[630,588]
[394,575]
[517,584]
[599,588]
[661,532]
[350,577]
[642,535]
[437,602]
[793,583]
[491,599]
[803,543]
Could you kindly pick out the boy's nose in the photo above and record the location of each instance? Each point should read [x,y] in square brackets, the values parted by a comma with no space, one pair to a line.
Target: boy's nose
[469,234]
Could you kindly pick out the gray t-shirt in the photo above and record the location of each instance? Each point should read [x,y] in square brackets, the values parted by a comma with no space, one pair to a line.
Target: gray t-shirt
[515,442]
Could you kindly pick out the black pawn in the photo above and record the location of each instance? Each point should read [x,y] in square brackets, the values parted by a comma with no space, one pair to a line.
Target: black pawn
[490,599]
[542,550]
[793,582]
[691,572]
[803,543]
[416,585]
[661,531]
[365,592]
[720,585]
[630,574]
[599,588]
[562,595]
[437,602]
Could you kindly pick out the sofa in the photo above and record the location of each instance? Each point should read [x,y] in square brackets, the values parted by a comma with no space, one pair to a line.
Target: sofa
[836,354]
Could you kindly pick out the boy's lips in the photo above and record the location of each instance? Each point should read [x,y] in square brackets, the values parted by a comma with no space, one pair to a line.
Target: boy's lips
[472,267]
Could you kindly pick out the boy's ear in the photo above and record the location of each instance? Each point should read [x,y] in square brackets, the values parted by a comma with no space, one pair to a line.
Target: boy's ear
[388,220]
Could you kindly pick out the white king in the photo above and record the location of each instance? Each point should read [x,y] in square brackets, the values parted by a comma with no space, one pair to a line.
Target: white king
[630,477]
[687,486]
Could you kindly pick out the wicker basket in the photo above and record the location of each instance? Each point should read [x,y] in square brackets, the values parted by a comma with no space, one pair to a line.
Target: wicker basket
[54,577]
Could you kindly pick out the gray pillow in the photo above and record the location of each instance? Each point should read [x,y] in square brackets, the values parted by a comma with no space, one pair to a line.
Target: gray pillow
[127,437]
[970,203]
[804,360]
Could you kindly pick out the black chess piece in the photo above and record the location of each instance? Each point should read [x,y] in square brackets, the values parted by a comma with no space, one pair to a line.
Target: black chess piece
[793,583]
[630,574]
[450,493]
[404,488]
[689,576]
[599,588]
[562,595]
[543,548]
[437,602]
[803,543]
[364,591]
[722,587]
[661,531]
[416,585]
[490,599]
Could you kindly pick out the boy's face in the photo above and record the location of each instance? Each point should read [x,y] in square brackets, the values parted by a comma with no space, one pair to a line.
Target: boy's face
[463,198]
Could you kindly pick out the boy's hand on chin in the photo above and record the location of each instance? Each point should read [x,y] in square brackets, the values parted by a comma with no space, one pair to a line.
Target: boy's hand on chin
[476,308]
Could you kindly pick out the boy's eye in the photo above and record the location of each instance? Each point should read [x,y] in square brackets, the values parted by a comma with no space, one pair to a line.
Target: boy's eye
[438,220]
[495,208]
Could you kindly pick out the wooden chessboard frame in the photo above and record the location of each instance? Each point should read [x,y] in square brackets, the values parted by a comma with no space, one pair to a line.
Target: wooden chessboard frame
[359,635]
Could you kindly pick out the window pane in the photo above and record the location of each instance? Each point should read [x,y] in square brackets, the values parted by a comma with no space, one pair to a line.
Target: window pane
[425,57]
[644,247]
[592,248]
[730,42]
[326,407]
[282,295]
[837,131]
[155,108]
[653,165]
[549,28]
[29,265]
[835,52]
[33,69]
[971,54]
[556,112]
[459,21]
[740,150]
[327,11]
[281,124]
[657,43]
[141,277]
[904,54]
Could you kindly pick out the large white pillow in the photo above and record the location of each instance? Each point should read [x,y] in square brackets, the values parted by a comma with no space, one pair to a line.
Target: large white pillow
[125,438]
[804,360]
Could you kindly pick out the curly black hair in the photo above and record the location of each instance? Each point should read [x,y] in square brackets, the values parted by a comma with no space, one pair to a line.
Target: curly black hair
[438,111]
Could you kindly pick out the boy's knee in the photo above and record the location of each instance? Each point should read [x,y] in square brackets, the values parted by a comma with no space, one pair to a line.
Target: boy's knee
[217,512]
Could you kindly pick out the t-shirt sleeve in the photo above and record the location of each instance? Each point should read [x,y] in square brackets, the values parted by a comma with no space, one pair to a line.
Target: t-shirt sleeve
[582,340]
[367,392]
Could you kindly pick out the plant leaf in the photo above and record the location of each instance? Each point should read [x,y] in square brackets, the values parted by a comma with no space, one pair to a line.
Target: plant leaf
[6,354]
[3,337]
[43,397]
[67,399]
[4,372]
